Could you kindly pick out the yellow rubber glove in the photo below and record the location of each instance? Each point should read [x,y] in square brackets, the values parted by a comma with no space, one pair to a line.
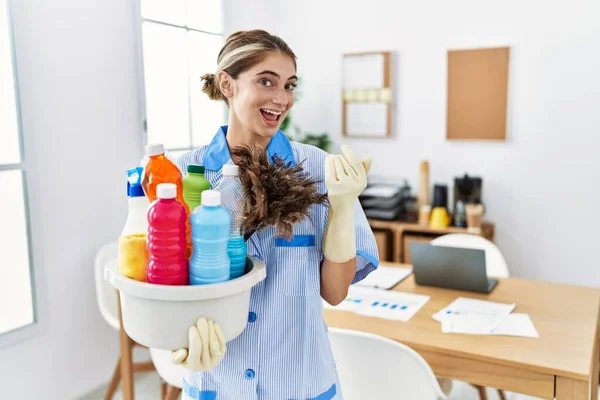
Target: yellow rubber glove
[345,178]
[207,347]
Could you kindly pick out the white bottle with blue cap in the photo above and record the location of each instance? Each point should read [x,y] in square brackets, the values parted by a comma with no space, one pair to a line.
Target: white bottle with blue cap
[137,217]
[232,193]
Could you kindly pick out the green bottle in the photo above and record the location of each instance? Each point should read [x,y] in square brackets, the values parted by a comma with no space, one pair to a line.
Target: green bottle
[194,183]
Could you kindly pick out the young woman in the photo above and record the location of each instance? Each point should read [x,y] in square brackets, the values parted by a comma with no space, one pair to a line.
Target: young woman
[284,351]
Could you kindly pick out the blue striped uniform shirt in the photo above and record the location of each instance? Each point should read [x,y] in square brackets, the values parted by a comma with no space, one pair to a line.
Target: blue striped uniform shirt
[284,351]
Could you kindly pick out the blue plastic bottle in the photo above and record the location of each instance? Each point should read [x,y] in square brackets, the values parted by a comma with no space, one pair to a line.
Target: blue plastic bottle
[210,233]
[231,197]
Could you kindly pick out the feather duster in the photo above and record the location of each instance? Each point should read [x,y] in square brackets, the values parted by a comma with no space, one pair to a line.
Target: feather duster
[275,194]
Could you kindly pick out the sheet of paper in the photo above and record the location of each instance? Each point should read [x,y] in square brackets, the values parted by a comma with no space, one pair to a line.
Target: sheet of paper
[372,95]
[517,324]
[385,277]
[363,71]
[381,303]
[357,296]
[360,95]
[386,95]
[465,315]
[393,305]
[472,324]
[366,119]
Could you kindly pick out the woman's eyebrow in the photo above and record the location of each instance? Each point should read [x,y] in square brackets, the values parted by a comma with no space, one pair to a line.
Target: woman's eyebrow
[275,74]
[267,72]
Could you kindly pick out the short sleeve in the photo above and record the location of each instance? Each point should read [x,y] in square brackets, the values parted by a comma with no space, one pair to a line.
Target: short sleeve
[367,255]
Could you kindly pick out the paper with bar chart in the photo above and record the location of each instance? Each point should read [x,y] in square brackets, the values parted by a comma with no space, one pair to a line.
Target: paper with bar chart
[379,303]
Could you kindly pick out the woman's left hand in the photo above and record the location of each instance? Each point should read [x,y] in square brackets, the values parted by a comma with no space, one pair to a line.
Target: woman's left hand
[345,178]
[346,175]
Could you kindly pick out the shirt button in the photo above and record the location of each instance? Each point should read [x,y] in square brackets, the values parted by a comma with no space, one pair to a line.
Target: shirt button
[249,374]
[251,317]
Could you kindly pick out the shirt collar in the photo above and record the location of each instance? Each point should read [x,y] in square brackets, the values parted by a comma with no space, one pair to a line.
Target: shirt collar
[218,152]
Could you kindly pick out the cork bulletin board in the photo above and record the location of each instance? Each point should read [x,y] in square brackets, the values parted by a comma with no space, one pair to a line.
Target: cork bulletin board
[367,95]
[477,94]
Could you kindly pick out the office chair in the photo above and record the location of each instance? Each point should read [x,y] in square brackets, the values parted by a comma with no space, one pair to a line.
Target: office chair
[373,367]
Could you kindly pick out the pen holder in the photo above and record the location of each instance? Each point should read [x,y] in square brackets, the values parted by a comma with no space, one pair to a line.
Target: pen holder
[439,218]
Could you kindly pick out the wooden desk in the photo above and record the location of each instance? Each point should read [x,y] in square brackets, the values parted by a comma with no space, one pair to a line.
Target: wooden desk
[562,362]
[393,237]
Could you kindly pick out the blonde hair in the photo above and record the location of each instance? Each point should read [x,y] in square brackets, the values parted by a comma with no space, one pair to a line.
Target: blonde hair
[241,51]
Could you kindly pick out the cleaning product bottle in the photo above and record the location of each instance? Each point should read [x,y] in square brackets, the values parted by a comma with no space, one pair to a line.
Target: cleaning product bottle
[137,218]
[160,169]
[166,238]
[194,183]
[232,192]
[210,232]
[132,251]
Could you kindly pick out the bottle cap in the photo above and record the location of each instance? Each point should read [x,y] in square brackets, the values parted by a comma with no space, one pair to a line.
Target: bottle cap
[134,182]
[155,149]
[211,198]
[195,169]
[231,170]
[167,191]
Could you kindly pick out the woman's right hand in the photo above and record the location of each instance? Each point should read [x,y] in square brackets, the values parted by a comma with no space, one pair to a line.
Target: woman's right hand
[206,347]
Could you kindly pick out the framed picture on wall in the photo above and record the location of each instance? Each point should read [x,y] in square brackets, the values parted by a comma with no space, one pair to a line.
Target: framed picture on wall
[367,95]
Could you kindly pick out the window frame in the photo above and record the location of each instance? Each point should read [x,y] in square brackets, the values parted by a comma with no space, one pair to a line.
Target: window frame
[141,79]
[38,325]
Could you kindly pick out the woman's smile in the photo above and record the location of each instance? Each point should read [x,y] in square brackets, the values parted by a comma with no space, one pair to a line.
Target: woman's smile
[271,117]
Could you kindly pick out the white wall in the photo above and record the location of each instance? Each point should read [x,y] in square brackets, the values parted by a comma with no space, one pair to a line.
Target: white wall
[542,185]
[243,15]
[79,110]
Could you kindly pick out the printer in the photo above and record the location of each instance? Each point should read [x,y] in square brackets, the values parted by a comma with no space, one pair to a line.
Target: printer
[389,201]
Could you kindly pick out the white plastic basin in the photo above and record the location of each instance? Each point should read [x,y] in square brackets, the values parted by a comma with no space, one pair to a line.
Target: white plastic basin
[159,316]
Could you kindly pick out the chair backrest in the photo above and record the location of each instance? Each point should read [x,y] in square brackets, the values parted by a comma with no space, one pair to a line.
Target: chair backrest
[171,373]
[106,294]
[373,367]
[494,261]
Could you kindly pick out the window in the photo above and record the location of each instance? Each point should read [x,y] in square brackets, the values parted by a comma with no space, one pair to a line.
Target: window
[16,276]
[180,42]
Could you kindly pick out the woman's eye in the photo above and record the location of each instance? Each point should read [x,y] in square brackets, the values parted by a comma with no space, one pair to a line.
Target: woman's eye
[290,86]
[266,82]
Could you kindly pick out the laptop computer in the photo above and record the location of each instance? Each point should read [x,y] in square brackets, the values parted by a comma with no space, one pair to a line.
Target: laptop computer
[450,267]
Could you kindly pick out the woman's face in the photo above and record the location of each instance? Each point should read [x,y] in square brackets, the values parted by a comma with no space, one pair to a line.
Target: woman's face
[263,95]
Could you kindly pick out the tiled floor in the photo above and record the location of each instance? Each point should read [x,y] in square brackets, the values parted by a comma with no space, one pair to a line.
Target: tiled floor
[147,387]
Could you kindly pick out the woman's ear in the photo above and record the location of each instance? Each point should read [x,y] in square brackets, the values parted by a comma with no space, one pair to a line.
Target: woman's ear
[225,84]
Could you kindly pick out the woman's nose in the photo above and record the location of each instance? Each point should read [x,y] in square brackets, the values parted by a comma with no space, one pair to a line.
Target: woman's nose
[280,98]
